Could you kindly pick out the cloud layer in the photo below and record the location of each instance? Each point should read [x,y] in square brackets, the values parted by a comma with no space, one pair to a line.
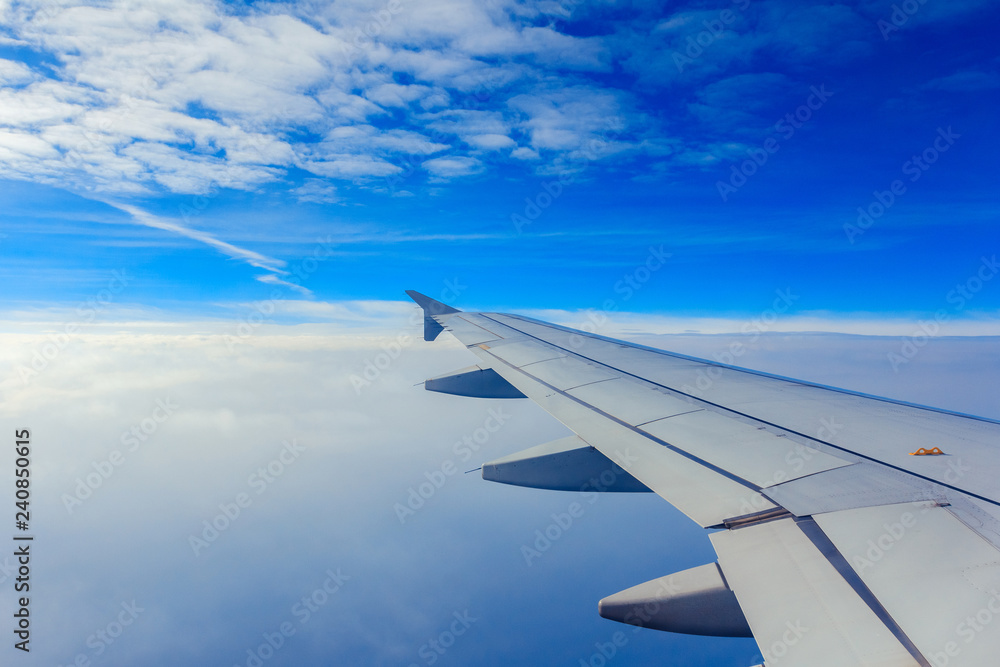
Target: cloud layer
[197,420]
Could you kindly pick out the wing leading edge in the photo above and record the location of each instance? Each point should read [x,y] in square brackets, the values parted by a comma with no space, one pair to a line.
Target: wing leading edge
[836,546]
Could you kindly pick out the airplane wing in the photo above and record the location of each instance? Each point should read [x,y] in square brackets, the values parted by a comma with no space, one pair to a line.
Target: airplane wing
[850,529]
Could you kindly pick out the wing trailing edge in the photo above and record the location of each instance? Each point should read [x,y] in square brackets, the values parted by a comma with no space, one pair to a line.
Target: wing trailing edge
[567,464]
[474,382]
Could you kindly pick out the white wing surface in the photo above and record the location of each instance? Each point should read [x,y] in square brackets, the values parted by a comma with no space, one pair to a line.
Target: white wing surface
[836,544]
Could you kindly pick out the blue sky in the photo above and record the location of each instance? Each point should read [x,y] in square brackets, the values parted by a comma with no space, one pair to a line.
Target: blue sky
[227,200]
[414,152]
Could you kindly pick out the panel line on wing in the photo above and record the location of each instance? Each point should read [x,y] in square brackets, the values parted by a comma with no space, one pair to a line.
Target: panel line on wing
[700,461]
[786,582]
[486,329]
[652,421]
[722,408]
[821,541]
[587,384]
[749,371]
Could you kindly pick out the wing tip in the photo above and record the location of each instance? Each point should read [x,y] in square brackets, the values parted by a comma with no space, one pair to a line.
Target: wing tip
[433,313]
[431,306]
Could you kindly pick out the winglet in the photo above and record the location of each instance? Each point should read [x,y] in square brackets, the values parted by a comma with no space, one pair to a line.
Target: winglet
[435,313]
[430,306]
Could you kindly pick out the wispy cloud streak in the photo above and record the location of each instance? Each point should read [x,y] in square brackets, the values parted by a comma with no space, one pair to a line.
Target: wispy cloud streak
[255,259]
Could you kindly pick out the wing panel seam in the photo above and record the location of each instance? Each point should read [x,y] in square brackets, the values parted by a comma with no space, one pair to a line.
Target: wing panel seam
[714,468]
[815,534]
[749,371]
[763,421]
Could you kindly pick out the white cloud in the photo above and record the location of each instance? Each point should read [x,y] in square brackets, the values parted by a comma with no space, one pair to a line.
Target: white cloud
[317,191]
[17,144]
[571,119]
[566,52]
[674,23]
[273,279]
[446,168]
[524,153]
[153,96]
[13,73]
[363,139]
[273,266]
[351,167]
[468,122]
[333,506]
[491,142]
[181,96]
[396,95]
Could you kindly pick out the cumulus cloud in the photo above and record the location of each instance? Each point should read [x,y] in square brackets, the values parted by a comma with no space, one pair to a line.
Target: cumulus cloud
[524,153]
[152,97]
[13,73]
[181,97]
[447,168]
[570,119]
[317,191]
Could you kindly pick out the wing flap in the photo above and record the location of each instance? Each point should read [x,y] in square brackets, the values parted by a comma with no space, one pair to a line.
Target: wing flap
[938,579]
[861,484]
[801,610]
